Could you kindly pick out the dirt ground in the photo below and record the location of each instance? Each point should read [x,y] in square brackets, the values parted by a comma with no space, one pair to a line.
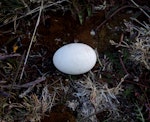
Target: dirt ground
[55,30]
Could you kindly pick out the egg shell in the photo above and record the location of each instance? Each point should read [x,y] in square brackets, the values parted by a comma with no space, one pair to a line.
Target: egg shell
[74,58]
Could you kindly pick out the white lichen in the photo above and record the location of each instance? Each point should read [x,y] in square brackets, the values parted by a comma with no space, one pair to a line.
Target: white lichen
[139,48]
[93,97]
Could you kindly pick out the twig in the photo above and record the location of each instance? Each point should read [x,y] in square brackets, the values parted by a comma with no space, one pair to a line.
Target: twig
[32,39]
[123,66]
[115,12]
[33,83]
[3,56]
[26,92]
[121,61]
[26,85]
[139,84]
[140,8]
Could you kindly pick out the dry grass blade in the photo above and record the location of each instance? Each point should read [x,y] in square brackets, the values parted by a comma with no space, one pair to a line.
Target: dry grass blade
[37,9]
[140,8]
[32,39]
[30,108]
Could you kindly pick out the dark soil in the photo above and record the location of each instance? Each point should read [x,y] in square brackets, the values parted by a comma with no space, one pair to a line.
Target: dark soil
[55,30]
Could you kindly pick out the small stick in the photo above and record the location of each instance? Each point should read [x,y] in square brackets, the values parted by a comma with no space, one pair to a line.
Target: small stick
[26,85]
[115,12]
[121,61]
[3,57]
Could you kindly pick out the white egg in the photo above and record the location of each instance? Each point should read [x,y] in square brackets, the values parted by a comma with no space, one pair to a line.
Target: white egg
[74,58]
